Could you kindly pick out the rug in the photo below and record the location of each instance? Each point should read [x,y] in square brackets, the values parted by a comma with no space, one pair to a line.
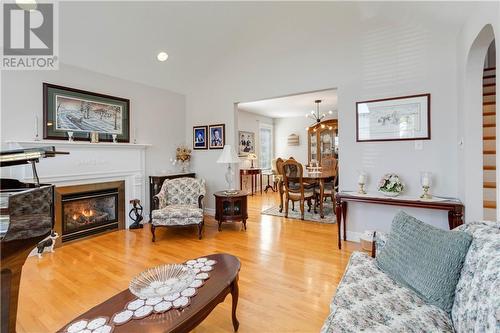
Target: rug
[308,216]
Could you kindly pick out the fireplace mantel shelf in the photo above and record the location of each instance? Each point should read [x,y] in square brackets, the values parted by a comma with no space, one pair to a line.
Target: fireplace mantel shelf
[61,143]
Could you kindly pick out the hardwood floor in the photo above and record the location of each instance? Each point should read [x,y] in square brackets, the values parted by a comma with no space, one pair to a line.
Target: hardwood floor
[290,270]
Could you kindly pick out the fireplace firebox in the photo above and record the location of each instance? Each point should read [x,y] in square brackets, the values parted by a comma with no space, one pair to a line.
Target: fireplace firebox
[84,210]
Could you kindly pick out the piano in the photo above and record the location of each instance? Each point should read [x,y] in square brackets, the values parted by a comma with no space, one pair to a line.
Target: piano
[26,218]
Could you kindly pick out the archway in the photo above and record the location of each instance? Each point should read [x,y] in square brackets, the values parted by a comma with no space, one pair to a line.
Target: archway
[473,158]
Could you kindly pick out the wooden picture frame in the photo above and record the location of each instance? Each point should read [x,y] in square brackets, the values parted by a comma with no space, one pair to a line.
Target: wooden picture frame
[200,137]
[394,119]
[217,136]
[246,143]
[83,112]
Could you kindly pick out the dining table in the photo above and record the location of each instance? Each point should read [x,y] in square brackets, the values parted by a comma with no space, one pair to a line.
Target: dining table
[320,177]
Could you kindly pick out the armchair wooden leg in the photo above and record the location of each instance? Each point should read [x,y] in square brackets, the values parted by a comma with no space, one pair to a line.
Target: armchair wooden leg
[153,232]
[309,205]
[200,229]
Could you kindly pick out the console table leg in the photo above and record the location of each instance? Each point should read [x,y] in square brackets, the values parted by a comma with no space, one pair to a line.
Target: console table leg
[338,212]
[344,217]
[234,295]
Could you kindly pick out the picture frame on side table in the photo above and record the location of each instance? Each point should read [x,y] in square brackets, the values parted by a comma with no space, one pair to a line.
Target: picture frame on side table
[200,134]
[246,143]
[394,119]
[217,136]
[82,112]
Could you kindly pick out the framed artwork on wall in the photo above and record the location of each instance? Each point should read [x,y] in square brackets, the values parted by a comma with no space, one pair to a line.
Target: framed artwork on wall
[68,110]
[246,143]
[200,137]
[393,119]
[217,136]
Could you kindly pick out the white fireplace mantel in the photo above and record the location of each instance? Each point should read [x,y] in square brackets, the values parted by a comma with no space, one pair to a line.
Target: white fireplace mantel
[89,163]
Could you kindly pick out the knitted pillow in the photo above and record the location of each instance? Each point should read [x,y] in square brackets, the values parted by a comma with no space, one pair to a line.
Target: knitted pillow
[426,259]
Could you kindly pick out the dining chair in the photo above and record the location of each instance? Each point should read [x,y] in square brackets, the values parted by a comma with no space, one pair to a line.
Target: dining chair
[294,186]
[329,188]
[279,171]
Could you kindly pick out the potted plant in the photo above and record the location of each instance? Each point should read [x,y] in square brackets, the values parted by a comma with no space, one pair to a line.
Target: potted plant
[391,185]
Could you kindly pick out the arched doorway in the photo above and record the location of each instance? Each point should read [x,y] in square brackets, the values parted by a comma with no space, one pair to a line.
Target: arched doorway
[474,172]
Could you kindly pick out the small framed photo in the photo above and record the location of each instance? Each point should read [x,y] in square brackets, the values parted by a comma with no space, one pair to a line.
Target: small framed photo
[200,137]
[246,143]
[394,119]
[216,136]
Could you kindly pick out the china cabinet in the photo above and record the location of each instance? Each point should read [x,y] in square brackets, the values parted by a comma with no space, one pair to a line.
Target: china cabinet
[323,141]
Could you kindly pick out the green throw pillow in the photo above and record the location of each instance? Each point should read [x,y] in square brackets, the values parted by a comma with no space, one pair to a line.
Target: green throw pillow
[426,259]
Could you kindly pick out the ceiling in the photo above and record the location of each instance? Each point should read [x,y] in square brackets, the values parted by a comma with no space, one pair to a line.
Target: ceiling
[293,106]
[122,38]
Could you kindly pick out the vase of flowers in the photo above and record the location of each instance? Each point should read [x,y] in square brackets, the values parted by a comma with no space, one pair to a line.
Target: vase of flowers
[391,185]
[182,158]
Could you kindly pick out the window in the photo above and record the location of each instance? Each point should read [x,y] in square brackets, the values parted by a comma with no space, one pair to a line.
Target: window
[266,146]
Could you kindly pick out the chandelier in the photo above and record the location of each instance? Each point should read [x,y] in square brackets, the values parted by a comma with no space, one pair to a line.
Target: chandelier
[315,115]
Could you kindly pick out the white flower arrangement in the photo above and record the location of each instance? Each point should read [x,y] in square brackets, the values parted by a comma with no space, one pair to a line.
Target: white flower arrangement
[391,184]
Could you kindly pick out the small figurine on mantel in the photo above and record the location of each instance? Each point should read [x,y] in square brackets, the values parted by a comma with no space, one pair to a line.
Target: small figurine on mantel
[136,214]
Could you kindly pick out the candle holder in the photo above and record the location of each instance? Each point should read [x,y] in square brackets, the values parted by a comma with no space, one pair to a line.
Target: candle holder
[425,181]
[361,189]
[362,182]
[426,194]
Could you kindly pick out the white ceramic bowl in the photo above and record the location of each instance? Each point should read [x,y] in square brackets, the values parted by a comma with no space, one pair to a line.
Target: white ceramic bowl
[161,281]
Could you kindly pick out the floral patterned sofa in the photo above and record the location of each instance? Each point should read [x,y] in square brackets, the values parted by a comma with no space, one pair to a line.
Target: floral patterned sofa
[179,203]
[368,300]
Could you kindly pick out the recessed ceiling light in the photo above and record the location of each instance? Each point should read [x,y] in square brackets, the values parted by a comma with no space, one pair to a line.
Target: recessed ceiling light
[162,56]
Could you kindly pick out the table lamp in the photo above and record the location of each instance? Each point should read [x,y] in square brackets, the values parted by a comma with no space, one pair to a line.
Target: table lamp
[229,156]
[252,157]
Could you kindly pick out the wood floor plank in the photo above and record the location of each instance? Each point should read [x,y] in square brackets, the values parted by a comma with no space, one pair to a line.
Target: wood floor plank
[290,270]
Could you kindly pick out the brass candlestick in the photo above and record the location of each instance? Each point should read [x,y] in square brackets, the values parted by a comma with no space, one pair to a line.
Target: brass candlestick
[426,194]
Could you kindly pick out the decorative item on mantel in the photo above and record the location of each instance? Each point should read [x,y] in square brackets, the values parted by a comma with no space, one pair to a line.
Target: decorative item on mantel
[182,157]
[391,185]
[229,157]
[425,180]
[252,157]
[362,182]
[135,214]
[94,137]
[70,136]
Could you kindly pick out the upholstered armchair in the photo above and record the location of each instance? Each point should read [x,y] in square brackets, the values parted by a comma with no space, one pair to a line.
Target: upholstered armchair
[179,203]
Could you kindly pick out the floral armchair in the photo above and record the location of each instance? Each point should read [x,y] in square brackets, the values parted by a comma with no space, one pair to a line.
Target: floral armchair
[179,203]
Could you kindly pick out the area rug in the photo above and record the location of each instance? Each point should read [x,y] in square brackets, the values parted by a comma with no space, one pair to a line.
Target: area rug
[308,216]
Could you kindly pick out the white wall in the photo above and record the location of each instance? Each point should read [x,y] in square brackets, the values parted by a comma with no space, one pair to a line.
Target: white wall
[158,114]
[283,127]
[366,56]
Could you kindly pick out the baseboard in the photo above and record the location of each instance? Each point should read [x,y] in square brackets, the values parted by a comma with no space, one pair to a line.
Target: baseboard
[353,236]
[209,211]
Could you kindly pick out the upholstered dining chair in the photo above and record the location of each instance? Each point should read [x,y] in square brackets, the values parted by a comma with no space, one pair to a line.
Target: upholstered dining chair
[294,186]
[179,203]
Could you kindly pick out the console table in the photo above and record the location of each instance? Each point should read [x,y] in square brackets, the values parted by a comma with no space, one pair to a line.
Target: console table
[454,207]
[156,182]
[253,173]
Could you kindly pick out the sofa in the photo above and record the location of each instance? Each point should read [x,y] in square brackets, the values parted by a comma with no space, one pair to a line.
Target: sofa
[368,300]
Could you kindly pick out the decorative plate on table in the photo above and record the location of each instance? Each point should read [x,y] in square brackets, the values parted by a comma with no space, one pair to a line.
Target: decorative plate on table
[162,281]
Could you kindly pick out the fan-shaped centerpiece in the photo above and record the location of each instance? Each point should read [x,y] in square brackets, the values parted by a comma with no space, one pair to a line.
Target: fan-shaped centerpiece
[161,281]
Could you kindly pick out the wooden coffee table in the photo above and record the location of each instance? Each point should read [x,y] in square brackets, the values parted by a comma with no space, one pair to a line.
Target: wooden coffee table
[223,280]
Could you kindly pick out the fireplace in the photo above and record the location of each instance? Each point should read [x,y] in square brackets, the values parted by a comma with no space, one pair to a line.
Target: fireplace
[89,209]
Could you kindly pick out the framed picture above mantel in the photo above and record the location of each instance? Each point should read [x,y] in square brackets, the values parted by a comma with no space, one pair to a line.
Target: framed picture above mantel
[394,119]
[81,113]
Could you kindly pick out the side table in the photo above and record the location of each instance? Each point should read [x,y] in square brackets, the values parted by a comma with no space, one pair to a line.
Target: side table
[253,173]
[231,207]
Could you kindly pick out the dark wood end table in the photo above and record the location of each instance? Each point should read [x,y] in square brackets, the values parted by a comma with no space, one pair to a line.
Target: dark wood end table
[231,207]
[223,280]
